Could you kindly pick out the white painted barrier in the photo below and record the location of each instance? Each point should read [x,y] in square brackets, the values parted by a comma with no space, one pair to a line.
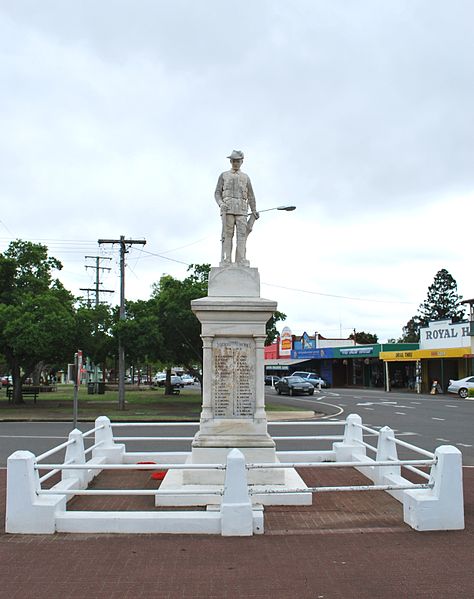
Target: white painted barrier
[439,506]
[32,510]
[434,505]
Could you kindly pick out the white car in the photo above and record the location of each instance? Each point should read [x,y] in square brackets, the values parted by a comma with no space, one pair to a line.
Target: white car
[462,386]
[187,379]
[314,379]
[159,379]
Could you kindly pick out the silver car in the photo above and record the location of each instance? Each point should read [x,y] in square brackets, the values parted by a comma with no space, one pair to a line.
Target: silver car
[462,386]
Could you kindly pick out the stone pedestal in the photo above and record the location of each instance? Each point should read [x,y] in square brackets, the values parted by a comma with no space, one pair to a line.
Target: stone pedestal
[233,318]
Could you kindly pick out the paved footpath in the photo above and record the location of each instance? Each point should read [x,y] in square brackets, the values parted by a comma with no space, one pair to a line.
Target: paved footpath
[346,546]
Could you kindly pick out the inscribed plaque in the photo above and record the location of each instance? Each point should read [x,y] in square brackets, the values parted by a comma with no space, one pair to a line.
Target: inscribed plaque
[233,378]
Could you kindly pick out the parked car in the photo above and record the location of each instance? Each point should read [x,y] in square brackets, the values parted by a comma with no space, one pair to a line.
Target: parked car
[159,379]
[462,386]
[293,385]
[176,381]
[187,379]
[313,378]
[271,380]
[6,380]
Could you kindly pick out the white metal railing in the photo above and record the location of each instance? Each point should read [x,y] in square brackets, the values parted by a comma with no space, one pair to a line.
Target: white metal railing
[349,449]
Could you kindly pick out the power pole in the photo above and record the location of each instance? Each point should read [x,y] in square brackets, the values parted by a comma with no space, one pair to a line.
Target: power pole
[121,350]
[97,269]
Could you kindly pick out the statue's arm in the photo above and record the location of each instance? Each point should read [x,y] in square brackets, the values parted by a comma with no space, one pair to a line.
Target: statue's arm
[219,190]
[251,199]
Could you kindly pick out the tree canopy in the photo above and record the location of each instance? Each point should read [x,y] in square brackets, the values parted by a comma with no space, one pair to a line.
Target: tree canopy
[442,302]
[37,320]
[363,338]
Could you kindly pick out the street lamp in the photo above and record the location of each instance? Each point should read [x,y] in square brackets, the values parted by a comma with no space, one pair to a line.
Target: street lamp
[251,219]
[286,208]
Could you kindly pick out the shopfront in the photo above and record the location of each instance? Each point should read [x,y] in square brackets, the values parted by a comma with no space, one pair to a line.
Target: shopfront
[444,354]
[355,366]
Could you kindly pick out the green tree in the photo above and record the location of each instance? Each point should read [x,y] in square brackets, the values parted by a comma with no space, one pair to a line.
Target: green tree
[180,330]
[272,332]
[140,332]
[363,338]
[94,332]
[37,320]
[442,302]
[411,331]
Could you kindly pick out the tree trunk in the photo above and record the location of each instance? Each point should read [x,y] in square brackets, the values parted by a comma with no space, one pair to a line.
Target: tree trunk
[168,386]
[17,397]
[38,369]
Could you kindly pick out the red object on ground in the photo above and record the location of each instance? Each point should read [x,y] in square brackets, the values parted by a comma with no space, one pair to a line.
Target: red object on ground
[158,475]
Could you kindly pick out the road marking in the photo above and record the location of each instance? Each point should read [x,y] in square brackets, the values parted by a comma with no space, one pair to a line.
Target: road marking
[418,403]
[448,406]
[441,419]
[365,403]
[444,440]
[463,445]
[389,403]
[401,413]
[369,409]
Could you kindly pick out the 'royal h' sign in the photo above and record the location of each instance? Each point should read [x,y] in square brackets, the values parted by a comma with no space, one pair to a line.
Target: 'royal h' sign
[443,333]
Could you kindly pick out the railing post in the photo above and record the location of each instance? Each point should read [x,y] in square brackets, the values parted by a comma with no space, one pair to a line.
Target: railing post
[386,450]
[108,449]
[27,512]
[347,449]
[236,507]
[75,455]
[441,507]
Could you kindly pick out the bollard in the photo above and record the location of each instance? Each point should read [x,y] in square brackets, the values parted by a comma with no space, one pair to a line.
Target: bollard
[350,448]
[386,450]
[75,455]
[236,507]
[442,507]
[26,511]
[109,450]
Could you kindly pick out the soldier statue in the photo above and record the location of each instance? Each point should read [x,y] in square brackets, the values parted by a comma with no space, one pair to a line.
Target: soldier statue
[235,197]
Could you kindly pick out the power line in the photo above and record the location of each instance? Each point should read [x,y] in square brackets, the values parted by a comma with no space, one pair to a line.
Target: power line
[347,297]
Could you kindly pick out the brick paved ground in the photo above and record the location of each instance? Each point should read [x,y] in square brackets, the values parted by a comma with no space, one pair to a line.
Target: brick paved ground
[347,545]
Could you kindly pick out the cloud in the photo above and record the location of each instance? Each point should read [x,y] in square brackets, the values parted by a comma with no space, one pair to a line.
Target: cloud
[117,118]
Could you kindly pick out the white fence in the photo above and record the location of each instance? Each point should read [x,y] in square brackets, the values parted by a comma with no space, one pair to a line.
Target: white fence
[435,504]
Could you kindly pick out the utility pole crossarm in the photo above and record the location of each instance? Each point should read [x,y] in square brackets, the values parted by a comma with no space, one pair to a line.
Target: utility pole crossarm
[123,240]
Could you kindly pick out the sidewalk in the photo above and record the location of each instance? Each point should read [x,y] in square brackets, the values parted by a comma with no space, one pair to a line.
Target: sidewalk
[346,546]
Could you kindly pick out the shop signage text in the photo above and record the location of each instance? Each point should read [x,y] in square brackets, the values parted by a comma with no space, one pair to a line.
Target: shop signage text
[444,333]
[357,351]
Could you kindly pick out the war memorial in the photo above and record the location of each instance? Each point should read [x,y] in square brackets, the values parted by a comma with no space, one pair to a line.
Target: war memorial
[232,470]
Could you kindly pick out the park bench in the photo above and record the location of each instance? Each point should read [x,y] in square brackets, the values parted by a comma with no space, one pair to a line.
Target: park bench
[31,391]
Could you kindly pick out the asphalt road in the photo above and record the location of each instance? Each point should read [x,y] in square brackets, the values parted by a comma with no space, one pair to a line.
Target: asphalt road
[423,420]
[426,421]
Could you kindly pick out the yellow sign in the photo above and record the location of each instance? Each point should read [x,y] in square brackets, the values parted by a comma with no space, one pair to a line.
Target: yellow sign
[422,354]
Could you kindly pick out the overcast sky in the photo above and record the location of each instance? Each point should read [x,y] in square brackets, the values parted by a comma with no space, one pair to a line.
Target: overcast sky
[116,118]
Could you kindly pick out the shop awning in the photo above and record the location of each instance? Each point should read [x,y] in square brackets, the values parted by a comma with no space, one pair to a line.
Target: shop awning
[422,354]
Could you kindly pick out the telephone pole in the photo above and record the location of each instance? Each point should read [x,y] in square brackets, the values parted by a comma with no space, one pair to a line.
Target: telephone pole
[123,243]
[97,269]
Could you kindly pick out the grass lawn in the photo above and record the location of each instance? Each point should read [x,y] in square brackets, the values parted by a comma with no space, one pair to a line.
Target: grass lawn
[141,403]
